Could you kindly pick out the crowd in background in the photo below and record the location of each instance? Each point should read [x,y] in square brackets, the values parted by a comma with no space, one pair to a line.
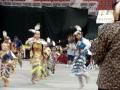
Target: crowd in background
[80,54]
[43,55]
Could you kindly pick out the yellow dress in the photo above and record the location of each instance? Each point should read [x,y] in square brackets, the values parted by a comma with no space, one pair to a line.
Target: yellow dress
[37,60]
[7,65]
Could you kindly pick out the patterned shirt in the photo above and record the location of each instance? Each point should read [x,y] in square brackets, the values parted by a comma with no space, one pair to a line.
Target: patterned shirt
[106,53]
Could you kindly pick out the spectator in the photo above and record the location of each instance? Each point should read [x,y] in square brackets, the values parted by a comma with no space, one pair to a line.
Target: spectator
[106,54]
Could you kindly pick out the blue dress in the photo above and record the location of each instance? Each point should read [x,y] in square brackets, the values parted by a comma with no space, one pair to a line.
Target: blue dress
[79,64]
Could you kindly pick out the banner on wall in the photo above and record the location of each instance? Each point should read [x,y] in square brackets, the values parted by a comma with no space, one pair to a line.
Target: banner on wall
[105,16]
[35,3]
[91,5]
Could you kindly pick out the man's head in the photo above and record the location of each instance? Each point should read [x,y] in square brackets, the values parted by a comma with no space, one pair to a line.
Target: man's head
[116,9]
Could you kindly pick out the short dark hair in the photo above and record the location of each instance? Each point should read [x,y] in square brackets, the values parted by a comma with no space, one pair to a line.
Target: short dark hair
[114,4]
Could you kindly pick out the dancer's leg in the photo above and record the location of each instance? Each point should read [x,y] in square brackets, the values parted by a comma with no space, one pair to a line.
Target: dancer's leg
[80,81]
